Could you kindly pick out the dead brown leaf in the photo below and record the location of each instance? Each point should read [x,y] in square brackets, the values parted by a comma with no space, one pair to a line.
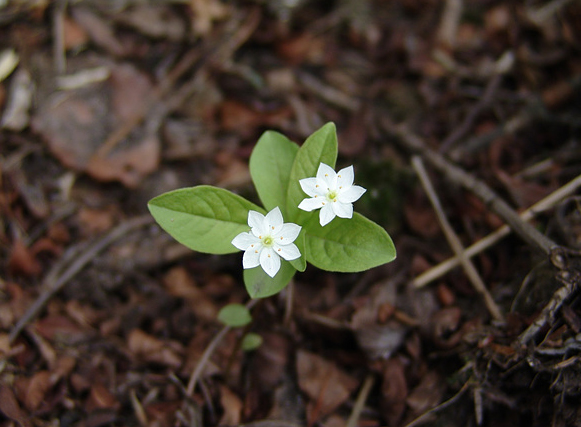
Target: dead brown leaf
[326,384]
[179,283]
[36,389]
[10,408]
[427,394]
[394,391]
[76,123]
[60,329]
[150,349]
[95,221]
[75,37]
[232,406]
[101,398]
[420,216]
[22,260]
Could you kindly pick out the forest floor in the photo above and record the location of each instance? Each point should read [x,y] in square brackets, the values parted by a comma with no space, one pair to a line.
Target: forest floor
[107,104]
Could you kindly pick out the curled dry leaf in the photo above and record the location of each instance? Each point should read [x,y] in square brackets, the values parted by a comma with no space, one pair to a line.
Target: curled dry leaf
[445,323]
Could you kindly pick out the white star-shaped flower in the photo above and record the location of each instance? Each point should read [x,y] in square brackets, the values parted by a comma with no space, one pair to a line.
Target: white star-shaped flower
[269,239]
[333,193]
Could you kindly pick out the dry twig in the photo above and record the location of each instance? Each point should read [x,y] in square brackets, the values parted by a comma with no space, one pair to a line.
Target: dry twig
[360,402]
[428,415]
[208,353]
[455,242]
[571,281]
[486,242]
[70,265]
[215,54]
[460,177]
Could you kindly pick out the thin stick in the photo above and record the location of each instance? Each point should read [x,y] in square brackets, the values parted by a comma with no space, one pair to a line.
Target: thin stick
[55,280]
[486,242]
[571,281]
[470,119]
[228,47]
[455,242]
[360,402]
[208,353]
[427,416]
[58,36]
[448,28]
[457,175]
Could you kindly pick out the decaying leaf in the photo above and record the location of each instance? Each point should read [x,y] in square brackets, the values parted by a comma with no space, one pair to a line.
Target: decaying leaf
[324,382]
[153,350]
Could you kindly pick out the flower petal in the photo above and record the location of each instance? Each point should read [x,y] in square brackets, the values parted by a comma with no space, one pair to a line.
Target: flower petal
[255,219]
[269,261]
[244,240]
[288,233]
[351,194]
[312,187]
[343,210]
[327,214]
[274,217]
[345,178]
[288,252]
[327,175]
[312,204]
[251,258]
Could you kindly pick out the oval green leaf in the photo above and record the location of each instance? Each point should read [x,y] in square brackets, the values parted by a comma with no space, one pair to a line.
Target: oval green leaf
[320,147]
[203,218]
[270,167]
[251,341]
[235,315]
[348,245]
[261,285]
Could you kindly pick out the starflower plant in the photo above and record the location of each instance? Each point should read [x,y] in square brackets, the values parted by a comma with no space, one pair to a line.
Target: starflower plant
[213,220]
[333,193]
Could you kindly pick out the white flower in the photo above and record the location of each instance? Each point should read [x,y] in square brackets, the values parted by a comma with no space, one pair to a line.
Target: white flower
[267,241]
[333,193]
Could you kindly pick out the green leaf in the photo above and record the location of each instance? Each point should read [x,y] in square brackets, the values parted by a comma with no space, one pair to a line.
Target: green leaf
[320,147]
[270,167]
[261,285]
[251,341]
[235,315]
[203,218]
[348,245]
